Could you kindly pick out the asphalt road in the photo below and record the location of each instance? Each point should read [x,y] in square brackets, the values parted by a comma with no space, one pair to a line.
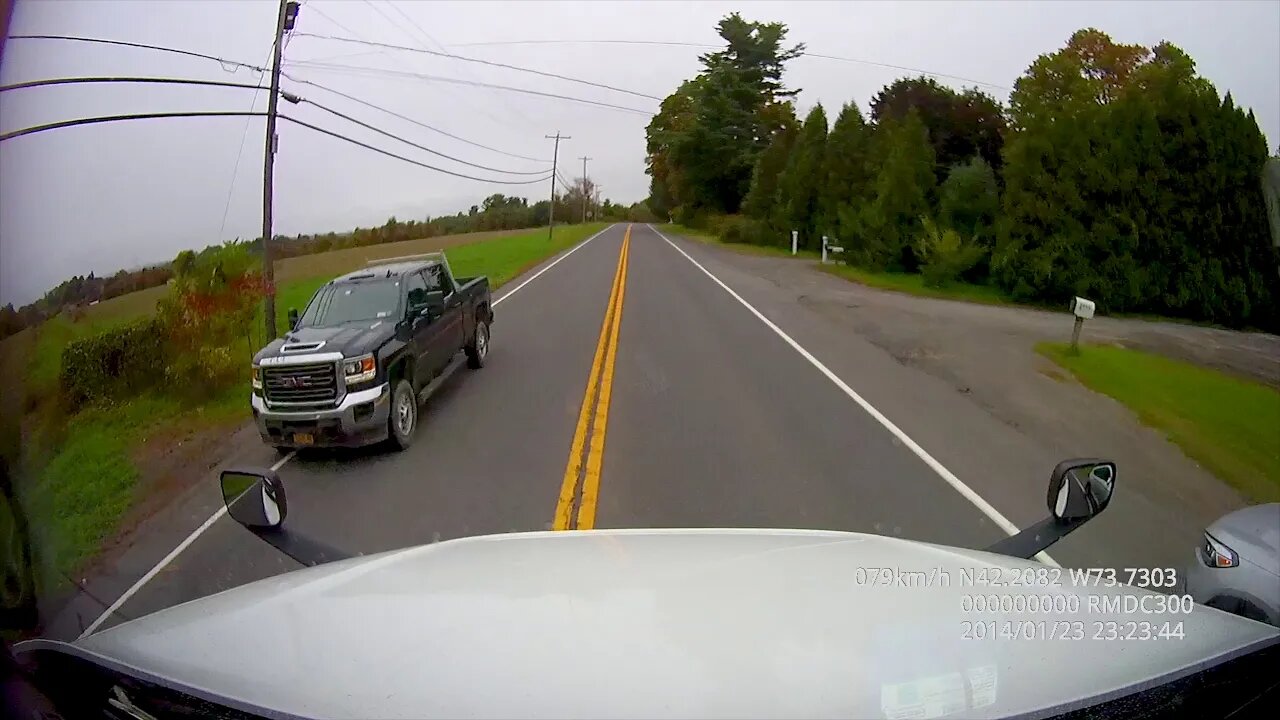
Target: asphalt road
[715,420]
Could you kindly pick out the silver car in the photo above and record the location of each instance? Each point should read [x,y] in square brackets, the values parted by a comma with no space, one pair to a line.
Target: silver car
[1237,566]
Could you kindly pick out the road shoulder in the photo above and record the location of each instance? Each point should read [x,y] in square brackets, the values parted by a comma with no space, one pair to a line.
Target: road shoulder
[964,381]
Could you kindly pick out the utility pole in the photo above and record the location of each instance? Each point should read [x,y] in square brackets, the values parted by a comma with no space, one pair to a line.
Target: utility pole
[586,191]
[555,157]
[284,22]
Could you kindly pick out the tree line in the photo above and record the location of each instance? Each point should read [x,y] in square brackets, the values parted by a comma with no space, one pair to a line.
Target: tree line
[496,212]
[1114,172]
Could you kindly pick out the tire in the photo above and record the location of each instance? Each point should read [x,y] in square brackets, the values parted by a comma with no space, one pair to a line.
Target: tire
[403,418]
[478,349]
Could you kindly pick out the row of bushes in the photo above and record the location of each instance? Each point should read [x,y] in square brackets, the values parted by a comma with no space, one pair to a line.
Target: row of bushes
[197,343]
[113,364]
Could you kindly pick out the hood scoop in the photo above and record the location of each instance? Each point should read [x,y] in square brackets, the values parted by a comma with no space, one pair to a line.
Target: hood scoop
[306,347]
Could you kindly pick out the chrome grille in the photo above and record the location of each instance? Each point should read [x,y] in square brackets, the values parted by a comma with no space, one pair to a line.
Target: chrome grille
[311,384]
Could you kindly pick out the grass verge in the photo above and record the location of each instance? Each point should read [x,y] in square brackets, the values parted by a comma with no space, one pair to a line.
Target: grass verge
[913,284]
[744,248]
[1226,424]
[90,480]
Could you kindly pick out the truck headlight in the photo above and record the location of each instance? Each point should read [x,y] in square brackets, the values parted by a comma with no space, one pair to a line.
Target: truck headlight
[1217,555]
[257,378]
[358,370]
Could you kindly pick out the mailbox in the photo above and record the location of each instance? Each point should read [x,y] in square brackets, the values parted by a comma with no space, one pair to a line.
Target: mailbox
[1082,308]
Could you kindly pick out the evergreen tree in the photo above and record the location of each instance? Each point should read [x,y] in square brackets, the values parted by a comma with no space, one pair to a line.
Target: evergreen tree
[802,178]
[761,201]
[903,194]
[846,172]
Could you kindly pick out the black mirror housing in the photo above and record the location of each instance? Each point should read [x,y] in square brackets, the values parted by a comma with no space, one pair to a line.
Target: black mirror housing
[293,318]
[254,498]
[435,302]
[1080,488]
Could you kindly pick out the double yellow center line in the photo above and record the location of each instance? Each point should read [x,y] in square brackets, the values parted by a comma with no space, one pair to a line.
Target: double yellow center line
[586,454]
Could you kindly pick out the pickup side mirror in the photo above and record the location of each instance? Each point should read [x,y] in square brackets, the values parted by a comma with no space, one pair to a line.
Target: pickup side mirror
[1078,490]
[293,318]
[255,498]
[435,303]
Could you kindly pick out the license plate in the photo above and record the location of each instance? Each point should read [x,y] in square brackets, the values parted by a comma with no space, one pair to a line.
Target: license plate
[303,439]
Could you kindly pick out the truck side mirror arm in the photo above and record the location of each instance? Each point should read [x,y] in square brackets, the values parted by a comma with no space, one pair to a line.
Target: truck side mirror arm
[1078,491]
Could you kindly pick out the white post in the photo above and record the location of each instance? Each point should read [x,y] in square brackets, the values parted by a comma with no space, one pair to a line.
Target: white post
[795,237]
[824,249]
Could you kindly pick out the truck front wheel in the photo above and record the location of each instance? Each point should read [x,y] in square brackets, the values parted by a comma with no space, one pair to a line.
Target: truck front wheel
[403,419]
[478,348]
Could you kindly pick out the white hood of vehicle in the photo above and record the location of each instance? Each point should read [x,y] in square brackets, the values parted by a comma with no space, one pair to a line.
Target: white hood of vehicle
[648,623]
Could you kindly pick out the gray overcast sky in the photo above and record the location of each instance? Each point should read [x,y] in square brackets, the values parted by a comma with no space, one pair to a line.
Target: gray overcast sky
[109,196]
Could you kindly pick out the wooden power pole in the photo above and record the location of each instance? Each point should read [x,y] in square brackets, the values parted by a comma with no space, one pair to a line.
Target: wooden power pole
[555,157]
[284,22]
[586,192]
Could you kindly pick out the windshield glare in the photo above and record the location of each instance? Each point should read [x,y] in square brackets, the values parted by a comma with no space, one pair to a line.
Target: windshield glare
[353,302]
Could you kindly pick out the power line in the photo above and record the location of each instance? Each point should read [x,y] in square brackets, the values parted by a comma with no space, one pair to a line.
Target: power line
[114,118]
[905,69]
[261,70]
[527,120]
[416,26]
[154,80]
[496,43]
[235,167]
[388,153]
[482,62]
[239,113]
[335,67]
[860,61]
[406,118]
[177,51]
[496,120]
[380,131]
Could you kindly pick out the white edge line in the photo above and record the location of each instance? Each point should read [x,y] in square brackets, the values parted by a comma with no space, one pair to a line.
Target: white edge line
[167,559]
[551,264]
[223,510]
[955,482]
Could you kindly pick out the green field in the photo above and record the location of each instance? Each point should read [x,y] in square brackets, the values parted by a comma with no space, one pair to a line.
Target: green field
[84,488]
[1228,425]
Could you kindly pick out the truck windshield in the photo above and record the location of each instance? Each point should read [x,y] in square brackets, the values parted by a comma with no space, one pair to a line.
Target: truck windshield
[351,302]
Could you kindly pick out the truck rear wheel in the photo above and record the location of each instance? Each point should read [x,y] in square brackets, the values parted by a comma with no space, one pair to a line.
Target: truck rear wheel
[403,420]
[478,348]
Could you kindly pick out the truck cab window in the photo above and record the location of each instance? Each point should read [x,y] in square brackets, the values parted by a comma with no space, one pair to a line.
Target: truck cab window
[417,287]
[437,280]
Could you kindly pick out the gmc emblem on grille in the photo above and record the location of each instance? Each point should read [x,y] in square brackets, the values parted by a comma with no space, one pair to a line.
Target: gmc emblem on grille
[294,382]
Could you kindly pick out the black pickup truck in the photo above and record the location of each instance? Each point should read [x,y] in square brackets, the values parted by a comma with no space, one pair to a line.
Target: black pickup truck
[354,366]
